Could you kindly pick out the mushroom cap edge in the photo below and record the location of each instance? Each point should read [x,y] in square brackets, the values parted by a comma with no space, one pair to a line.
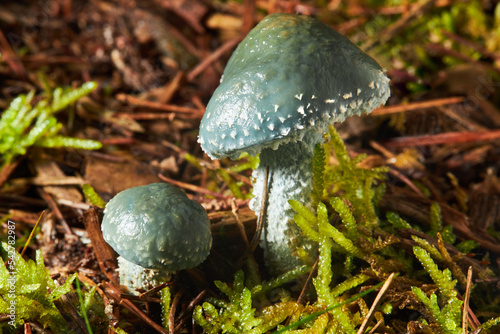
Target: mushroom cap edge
[273,92]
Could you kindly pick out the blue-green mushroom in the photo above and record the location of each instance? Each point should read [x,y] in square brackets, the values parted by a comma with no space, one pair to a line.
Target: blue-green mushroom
[157,230]
[286,82]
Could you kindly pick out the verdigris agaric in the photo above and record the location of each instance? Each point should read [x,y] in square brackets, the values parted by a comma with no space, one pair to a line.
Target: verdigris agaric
[286,82]
[156,229]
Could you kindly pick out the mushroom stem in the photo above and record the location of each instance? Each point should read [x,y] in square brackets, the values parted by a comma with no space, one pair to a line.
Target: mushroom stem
[135,277]
[290,177]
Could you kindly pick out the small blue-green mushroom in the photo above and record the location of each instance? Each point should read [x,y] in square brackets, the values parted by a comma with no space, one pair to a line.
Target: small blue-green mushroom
[157,230]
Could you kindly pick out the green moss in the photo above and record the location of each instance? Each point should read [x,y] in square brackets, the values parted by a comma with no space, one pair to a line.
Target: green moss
[92,196]
[448,317]
[436,220]
[355,245]
[397,221]
[318,167]
[236,187]
[23,126]
[467,246]
[356,184]
[235,316]
[165,297]
[433,251]
[488,325]
[27,290]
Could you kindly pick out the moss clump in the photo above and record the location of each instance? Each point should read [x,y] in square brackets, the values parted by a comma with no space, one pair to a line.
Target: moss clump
[356,247]
[23,126]
[449,316]
[27,292]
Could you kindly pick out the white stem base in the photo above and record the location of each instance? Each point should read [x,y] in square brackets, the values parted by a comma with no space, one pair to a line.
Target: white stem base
[135,277]
[290,177]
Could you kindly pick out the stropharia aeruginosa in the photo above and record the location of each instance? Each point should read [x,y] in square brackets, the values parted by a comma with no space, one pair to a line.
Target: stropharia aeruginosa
[286,82]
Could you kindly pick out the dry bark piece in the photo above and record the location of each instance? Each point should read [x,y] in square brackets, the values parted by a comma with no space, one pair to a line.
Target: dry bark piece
[105,255]
[109,178]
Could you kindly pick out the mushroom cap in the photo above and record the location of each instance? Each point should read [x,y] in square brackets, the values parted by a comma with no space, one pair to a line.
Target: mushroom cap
[290,75]
[157,227]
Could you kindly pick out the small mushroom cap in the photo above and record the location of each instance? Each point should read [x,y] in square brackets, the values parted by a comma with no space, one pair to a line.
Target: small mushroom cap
[157,227]
[291,74]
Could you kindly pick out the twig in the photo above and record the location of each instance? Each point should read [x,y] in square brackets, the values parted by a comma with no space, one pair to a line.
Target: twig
[32,233]
[35,61]
[406,180]
[7,169]
[4,317]
[397,9]
[303,293]
[38,327]
[192,187]
[416,106]
[12,58]
[114,293]
[53,206]
[66,306]
[443,138]
[262,214]
[188,309]
[211,58]
[49,181]
[154,290]
[135,298]
[376,326]
[154,105]
[375,303]
[443,50]
[465,312]
[104,254]
[173,308]
[186,42]
[466,122]
[191,11]
[239,223]
[109,157]
[147,116]
[260,223]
